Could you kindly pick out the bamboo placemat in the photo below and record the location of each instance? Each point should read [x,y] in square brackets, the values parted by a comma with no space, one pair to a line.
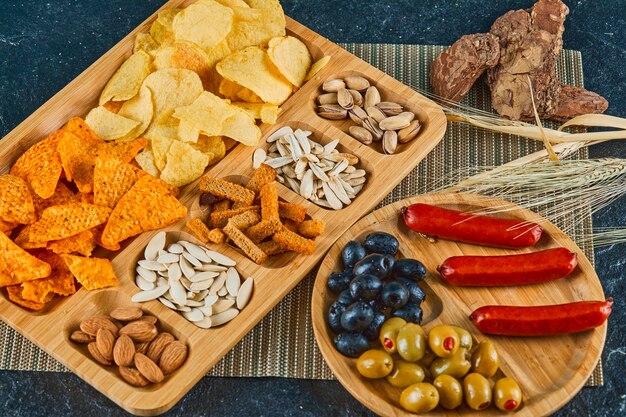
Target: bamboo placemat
[283,344]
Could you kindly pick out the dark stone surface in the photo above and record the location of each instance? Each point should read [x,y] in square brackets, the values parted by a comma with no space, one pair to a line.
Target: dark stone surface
[45,44]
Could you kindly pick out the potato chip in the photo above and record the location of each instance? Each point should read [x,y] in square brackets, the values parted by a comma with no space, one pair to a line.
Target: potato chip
[161,29]
[145,160]
[163,57]
[184,164]
[190,56]
[256,24]
[91,273]
[267,113]
[252,68]
[112,179]
[127,80]
[317,67]
[139,109]
[16,202]
[17,265]
[172,88]
[15,294]
[124,151]
[160,147]
[292,58]
[192,23]
[40,166]
[146,43]
[113,106]
[78,156]
[62,195]
[233,3]
[110,126]
[241,127]
[213,145]
[60,281]
[148,205]
[168,129]
[206,113]
[83,243]
[187,132]
[235,92]
[229,143]
[59,222]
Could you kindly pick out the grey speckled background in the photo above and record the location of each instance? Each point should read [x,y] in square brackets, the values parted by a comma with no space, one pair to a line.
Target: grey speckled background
[45,44]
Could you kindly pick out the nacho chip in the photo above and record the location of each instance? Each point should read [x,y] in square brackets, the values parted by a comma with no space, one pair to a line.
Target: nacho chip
[91,273]
[59,222]
[146,43]
[292,58]
[317,67]
[145,160]
[127,80]
[15,294]
[123,151]
[139,109]
[184,164]
[110,126]
[60,281]
[172,88]
[256,24]
[252,68]
[17,265]
[6,227]
[78,156]
[81,129]
[83,243]
[40,166]
[112,179]
[86,198]
[148,205]
[62,195]
[16,202]
[192,23]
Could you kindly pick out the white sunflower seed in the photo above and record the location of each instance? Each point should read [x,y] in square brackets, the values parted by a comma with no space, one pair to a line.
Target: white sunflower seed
[222,292]
[207,311]
[279,162]
[146,274]
[187,284]
[245,292]
[218,284]
[161,282]
[210,300]
[152,265]
[330,146]
[143,283]
[177,292]
[175,248]
[211,268]
[303,141]
[193,303]
[205,323]
[167,303]
[258,157]
[153,247]
[224,317]
[166,257]
[233,281]
[339,191]
[192,259]
[186,268]
[219,258]
[332,199]
[174,271]
[222,305]
[202,285]
[194,315]
[307,185]
[278,133]
[195,251]
[143,296]
[204,276]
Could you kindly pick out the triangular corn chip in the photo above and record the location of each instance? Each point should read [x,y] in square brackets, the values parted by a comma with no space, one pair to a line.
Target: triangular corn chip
[17,265]
[91,273]
[16,202]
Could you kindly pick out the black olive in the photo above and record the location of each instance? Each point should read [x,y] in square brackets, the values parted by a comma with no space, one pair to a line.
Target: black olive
[410,312]
[352,253]
[375,264]
[394,294]
[339,281]
[351,344]
[357,316]
[416,293]
[381,242]
[334,316]
[371,332]
[365,287]
[345,298]
[409,268]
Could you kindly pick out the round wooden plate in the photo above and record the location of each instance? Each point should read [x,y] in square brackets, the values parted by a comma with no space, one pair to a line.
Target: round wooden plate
[550,370]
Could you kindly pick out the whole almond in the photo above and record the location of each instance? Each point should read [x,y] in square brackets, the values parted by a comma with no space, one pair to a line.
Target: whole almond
[105,342]
[126,313]
[149,319]
[173,356]
[92,324]
[148,368]
[79,336]
[95,353]
[124,351]
[133,377]
[142,347]
[158,345]
[140,331]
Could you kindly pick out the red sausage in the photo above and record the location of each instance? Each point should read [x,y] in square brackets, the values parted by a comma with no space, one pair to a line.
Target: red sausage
[541,320]
[491,271]
[469,228]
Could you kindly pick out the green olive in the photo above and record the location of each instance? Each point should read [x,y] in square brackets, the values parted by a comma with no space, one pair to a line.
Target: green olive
[389,332]
[465,338]
[485,359]
[450,391]
[419,398]
[374,364]
[443,340]
[411,342]
[507,395]
[405,374]
[477,391]
[457,365]
[428,358]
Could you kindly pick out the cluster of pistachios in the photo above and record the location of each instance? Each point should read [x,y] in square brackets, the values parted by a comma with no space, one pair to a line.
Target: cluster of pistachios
[376,120]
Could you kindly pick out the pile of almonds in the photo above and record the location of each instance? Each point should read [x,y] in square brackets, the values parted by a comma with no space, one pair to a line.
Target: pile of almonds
[376,120]
[132,341]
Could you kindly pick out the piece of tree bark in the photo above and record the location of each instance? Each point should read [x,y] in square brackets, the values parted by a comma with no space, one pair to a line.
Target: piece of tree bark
[457,68]
[574,101]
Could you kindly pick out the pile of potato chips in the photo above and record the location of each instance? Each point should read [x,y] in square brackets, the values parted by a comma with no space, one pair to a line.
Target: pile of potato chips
[199,81]
[64,196]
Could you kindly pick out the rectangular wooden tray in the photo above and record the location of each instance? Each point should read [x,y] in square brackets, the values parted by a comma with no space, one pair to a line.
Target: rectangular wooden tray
[50,328]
